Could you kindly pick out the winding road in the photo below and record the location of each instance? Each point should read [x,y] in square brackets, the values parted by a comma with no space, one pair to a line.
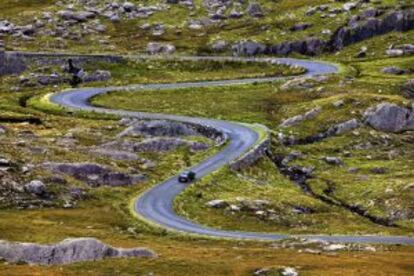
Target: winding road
[156,204]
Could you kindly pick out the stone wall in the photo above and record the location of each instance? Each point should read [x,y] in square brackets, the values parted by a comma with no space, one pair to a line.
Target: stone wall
[252,156]
[10,63]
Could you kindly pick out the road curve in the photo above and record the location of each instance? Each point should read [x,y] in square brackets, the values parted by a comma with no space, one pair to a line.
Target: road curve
[156,204]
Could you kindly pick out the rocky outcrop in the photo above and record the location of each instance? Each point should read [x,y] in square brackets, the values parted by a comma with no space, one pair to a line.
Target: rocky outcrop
[390,117]
[408,88]
[248,48]
[311,114]
[253,155]
[115,154]
[98,75]
[358,28]
[309,46]
[158,128]
[254,10]
[94,174]
[342,128]
[10,63]
[393,70]
[167,144]
[401,20]
[66,252]
[172,129]
[160,48]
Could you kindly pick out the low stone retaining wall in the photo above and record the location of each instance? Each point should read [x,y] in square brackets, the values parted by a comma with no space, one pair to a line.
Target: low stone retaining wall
[253,155]
[60,58]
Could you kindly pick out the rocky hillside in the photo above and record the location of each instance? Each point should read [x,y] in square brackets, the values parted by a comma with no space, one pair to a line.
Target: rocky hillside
[241,27]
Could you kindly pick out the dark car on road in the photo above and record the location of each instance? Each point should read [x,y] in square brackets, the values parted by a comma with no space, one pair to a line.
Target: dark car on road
[186,177]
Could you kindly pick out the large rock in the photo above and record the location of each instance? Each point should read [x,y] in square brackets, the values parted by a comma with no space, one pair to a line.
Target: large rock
[248,48]
[98,75]
[158,128]
[154,48]
[93,174]
[342,128]
[10,63]
[393,70]
[115,154]
[408,88]
[300,118]
[80,16]
[67,251]
[167,144]
[390,117]
[36,187]
[401,20]
[254,9]
[309,46]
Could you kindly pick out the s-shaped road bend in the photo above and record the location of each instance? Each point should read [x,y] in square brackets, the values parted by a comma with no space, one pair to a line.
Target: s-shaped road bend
[156,204]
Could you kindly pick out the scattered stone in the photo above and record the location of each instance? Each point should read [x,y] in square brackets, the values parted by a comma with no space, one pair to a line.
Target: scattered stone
[334,247]
[160,48]
[393,70]
[362,52]
[248,48]
[3,130]
[408,88]
[98,75]
[219,46]
[289,271]
[66,252]
[36,187]
[338,103]
[255,10]
[217,203]
[300,27]
[333,160]
[94,174]
[167,144]
[115,154]
[401,50]
[158,128]
[379,170]
[311,114]
[342,128]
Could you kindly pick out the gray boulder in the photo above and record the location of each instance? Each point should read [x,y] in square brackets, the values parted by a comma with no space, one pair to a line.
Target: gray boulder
[393,70]
[219,46]
[167,144]
[217,203]
[300,118]
[400,20]
[408,88]
[158,128]
[248,48]
[300,27]
[94,174]
[333,160]
[115,154]
[36,187]
[10,63]
[254,9]
[66,252]
[3,130]
[80,16]
[98,75]
[342,128]
[160,48]
[308,46]
[390,117]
